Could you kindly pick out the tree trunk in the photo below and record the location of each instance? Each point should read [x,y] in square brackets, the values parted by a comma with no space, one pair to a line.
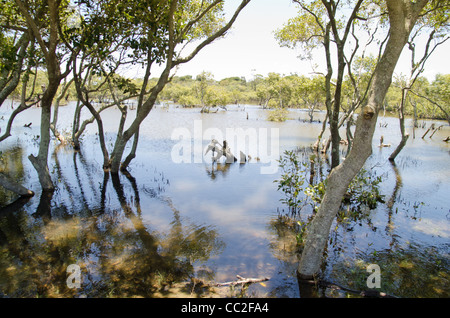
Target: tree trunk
[84,98]
[117,153]
[53,128]
[415,122]
[402,17]
[316,145]
[121,141]
[40,161]
[328,99]
[173,41]
[349,134]
[9,83]
[340,44]
[76,133]
[49,48]
[334,119]
[401,117]
[132,153]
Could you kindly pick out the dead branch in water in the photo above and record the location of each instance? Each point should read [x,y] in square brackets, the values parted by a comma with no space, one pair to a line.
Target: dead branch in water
[436,129]
[431,127]
[243,281]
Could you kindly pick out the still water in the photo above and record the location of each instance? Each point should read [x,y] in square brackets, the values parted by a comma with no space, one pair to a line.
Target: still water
[171,228]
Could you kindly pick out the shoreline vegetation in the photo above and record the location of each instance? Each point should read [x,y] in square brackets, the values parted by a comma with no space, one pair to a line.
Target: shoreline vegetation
[55,52]
[275,92]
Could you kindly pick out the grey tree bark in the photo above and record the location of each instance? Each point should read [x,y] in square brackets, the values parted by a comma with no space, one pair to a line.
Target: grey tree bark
[402,17]
[40,161]
[49,46]
[14,187]
[9,82]
[405,135]
[417,68]
[340,44]
[147,106]
[132,153]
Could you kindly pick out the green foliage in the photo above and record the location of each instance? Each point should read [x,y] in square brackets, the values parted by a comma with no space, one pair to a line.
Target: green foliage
[310,28]
[7,53]
[302,31]
[295,91]
[203,81]
[126,85]
[278,115]
[440,88]
[300,236]
[439,92]
[189,92]
[316,192]
[292,180]
[427,100]
[188,101]
[218,96]
[363,192]
[275,91]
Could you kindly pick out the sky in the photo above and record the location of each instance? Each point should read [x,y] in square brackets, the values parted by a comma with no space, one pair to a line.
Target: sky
[250,48]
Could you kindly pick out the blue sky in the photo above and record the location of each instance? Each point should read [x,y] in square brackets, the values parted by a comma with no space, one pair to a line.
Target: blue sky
[250,47]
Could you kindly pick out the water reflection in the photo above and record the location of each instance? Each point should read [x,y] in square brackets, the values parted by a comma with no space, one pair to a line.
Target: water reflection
[12,167]
[118,251]
[139,234]
[217,169]
[407,271]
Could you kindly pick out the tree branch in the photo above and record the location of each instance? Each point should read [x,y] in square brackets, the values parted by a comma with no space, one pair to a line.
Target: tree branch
[32,25]
[210,39]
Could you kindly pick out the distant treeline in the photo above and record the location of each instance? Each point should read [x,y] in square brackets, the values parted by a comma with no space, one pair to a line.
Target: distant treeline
[428,100]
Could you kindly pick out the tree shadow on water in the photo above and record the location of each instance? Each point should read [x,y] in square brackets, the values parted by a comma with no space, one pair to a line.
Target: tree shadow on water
[102,230]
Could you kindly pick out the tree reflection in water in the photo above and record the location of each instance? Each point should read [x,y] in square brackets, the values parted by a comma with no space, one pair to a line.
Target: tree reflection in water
[407,269]
[118,253]
[217,169]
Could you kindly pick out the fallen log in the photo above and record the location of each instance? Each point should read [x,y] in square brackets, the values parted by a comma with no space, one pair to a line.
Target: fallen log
[14,187]
[242,281]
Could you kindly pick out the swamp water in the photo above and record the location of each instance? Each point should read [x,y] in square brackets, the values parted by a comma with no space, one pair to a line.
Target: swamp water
[170,229]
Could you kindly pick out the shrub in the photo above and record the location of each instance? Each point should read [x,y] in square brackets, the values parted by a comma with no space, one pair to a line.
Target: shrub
[292,180]
[362,194]
[278,115]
